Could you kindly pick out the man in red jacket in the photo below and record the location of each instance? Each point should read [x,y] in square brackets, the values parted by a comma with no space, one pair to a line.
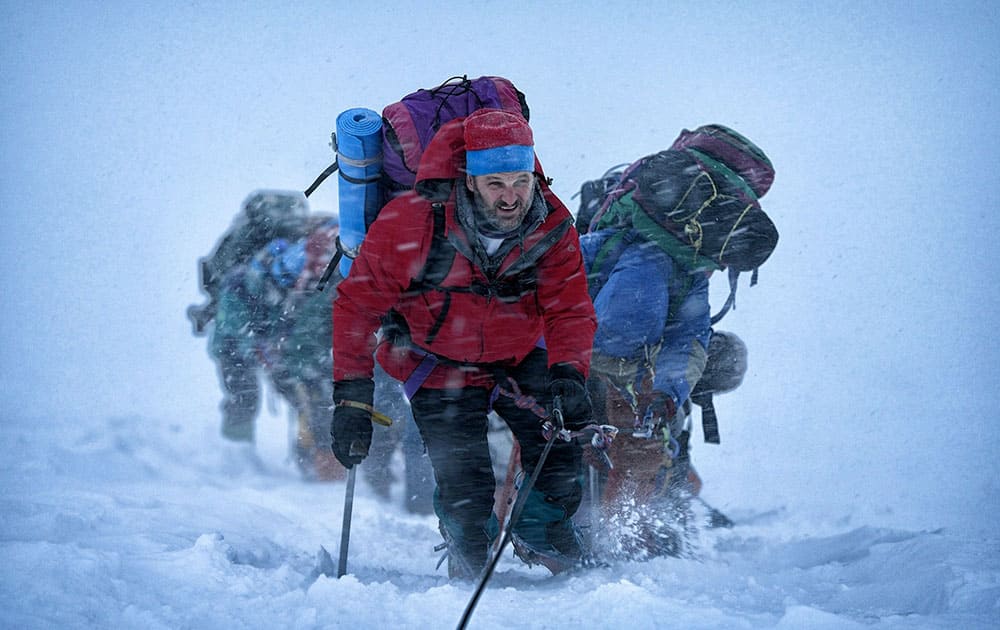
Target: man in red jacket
[469,273]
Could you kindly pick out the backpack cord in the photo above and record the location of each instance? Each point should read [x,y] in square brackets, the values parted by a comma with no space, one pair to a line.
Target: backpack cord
[463,86]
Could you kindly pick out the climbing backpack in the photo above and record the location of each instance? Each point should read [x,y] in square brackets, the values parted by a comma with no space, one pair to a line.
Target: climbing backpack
[407,127]
[698,201]
[265,214]
[593,193]
[409,124]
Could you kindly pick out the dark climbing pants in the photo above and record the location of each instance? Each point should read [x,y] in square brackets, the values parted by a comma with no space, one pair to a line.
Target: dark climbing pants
[453,425]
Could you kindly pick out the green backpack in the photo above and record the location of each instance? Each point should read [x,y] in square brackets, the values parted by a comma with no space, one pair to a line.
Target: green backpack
[697,201]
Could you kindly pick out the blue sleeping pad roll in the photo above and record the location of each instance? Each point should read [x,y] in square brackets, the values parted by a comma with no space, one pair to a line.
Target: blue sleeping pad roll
[359,156]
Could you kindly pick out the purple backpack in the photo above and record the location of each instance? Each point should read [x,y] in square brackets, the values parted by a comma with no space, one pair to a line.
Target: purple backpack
[409,124]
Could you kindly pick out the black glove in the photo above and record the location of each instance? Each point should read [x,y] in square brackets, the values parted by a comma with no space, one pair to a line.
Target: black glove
[663,407]
[352,427]
[568,384]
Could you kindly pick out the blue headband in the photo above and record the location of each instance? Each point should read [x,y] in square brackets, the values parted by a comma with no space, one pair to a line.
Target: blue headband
[513,157]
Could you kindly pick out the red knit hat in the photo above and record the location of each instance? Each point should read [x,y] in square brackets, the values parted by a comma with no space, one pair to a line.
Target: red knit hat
[497,141]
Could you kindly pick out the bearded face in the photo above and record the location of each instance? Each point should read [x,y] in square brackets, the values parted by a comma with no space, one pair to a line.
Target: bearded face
[502,199]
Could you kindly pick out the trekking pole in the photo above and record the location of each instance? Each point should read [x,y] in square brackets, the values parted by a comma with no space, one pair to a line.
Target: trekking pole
[345,530]
[715,517]
[594,487]
[522,498]
[357,449]
[504,502]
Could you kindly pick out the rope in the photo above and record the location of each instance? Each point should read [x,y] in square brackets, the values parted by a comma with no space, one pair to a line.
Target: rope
[521,400]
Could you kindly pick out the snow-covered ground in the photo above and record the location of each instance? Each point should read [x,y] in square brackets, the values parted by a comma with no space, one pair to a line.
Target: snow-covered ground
[858,458]
[132,523]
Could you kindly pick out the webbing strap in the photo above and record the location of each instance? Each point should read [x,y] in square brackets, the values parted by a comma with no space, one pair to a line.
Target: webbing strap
[373,179]
[709,420]
[328,272]
[430,360]
[731,300]
[322,177]
[419,375]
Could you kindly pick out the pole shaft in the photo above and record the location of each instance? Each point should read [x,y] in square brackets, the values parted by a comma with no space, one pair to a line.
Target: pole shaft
[345,530]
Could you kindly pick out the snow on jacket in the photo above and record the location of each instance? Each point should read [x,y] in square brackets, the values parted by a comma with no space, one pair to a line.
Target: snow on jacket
[479,332]
[638,337]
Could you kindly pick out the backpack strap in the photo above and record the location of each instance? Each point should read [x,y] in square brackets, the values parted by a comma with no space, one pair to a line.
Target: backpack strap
[513,284]
[439,262]
[608,255]
[709,420]
[686,282]
[527,260]
[439,259]
[330,267]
